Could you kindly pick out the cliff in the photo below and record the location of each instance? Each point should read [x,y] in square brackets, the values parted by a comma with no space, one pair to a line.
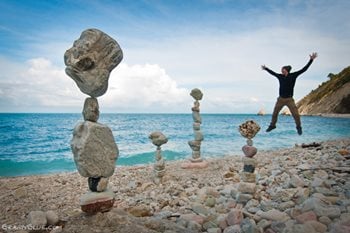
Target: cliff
[332,96]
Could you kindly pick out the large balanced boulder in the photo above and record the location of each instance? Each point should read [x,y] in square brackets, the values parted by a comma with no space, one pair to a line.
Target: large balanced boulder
[91,59]
[94,149]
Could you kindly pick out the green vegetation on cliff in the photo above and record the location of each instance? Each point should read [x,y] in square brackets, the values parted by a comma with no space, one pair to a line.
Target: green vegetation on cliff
[332,85]
[332,96]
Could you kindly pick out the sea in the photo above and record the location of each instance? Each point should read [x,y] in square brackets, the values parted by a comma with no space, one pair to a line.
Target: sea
[32,144]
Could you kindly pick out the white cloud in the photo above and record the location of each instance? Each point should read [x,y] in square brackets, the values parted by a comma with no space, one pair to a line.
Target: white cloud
[41,86]
[143,88]
[254,99]
[230,58]
[35,86]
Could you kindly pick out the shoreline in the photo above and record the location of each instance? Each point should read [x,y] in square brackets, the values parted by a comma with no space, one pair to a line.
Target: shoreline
[330,115]
[168,162]
[210,191]
[169,113]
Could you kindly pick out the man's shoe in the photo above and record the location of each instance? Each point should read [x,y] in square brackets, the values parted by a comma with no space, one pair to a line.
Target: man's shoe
[299,129]
[270,128]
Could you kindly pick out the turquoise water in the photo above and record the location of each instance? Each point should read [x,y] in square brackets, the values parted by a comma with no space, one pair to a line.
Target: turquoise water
[40,143]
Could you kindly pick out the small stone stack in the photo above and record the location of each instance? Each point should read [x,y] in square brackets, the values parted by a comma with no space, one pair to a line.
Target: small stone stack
[89,63]
[196,161]
[158,139]
[247,185]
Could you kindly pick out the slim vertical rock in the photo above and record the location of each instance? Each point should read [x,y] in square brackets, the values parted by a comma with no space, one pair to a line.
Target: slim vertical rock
[196,161]
[158,139]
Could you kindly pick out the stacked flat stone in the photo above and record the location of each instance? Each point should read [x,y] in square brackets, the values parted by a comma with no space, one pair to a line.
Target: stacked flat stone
[196,161]
[158,139]
[197,121]
[89,63]
[247,185]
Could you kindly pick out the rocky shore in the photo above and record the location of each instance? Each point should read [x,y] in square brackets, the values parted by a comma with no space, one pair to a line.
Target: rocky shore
[300,189]
[336,115]
[329,115]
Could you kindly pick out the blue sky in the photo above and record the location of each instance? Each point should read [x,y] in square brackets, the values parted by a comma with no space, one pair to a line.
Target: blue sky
[169,48]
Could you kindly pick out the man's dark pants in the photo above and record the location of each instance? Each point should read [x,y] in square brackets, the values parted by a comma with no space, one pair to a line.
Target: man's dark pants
[290,103]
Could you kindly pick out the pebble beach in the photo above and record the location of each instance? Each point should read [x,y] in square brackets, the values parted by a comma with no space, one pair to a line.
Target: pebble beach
[301,189]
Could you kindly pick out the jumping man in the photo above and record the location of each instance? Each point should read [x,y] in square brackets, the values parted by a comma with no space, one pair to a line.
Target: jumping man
[287,83]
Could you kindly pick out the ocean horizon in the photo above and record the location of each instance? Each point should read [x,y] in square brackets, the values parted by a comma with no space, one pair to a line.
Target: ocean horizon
[39,143]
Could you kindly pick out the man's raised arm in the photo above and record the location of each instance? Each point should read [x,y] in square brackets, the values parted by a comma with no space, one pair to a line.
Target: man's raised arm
[263,67]
[312,58]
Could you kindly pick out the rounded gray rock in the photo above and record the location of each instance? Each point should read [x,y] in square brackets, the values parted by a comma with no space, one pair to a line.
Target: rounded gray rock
[196,94]
[243,197]
[198,135]
[91,110]
[94,149]
[196,154]
[158,138]
[233,229]
[37,218]
[249,142]
[195,145]
[52,218]
[196,117]
[245,187]
[196,126]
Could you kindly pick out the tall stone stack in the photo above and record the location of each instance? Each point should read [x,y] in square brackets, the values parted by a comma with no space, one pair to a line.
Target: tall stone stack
[89,63]
[158,139]
[196,161]
[247,185]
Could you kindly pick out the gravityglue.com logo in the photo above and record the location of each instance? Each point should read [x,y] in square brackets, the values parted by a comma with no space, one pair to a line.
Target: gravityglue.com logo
[28,227]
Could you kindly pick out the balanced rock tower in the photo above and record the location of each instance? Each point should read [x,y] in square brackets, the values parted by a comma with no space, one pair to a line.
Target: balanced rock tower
[196,161]
[247,185]
[158,139]
[89,63]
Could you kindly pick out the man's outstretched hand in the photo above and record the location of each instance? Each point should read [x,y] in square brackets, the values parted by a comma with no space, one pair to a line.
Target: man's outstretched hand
[263,67]
[313,56]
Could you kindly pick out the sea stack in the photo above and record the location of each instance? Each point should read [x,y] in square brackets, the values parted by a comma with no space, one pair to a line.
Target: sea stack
[261,112]
[247,185]
[89,63]
[158,139]
[196,161]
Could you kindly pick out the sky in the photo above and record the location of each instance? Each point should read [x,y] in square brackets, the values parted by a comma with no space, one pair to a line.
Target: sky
[170,47]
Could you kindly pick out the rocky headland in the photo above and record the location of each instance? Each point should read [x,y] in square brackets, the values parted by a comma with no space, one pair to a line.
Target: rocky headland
[300,189]
[331,97]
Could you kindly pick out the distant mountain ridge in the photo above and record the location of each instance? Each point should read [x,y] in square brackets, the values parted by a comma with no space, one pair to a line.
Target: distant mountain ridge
[332,96]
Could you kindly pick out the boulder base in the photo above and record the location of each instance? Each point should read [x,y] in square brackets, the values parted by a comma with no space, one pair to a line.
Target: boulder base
[94,202]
